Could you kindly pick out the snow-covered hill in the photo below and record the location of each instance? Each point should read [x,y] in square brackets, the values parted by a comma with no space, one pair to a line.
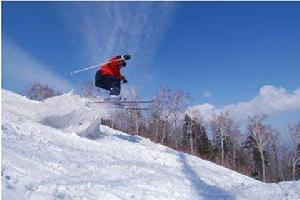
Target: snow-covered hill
[46,154]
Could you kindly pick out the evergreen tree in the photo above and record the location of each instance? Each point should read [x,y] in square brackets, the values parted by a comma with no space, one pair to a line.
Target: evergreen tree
[251,146]
[224,130]
[202,143]
[188,135]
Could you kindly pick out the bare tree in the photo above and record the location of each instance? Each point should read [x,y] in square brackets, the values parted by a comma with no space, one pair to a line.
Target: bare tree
[275,147]
[222,125]
[88,89]
[155,116]
[295,134]
[285,161]
[188,135]
[156,119]
[234,140]
[168,104]
[259,132]
[129,120]
[136,115]
[40,91]
[159,111]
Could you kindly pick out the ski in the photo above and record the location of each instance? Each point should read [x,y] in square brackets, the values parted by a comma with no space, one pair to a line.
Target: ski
[134,108]
[124,101]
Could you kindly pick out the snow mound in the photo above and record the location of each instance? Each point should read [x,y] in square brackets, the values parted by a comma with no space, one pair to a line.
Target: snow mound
[67,112]
[47,153]
[93,130]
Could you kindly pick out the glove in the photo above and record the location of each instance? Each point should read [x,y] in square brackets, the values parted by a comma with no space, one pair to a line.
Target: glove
[125,81]
[122,63]
[126,57]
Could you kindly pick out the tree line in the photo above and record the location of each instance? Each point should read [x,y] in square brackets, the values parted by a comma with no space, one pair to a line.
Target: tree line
[255,150]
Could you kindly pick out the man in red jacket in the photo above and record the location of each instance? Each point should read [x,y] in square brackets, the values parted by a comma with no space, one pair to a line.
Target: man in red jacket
[109,76]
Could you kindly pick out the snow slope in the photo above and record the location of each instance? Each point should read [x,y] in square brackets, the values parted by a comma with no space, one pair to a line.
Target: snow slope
[48,153]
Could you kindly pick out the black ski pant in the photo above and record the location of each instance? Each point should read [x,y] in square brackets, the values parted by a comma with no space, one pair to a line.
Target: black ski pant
[108,82]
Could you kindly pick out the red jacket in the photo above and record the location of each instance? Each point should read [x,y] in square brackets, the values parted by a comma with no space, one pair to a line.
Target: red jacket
[112,67]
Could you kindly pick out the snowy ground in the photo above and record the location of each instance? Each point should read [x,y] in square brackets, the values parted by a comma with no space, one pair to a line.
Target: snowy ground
[46,155]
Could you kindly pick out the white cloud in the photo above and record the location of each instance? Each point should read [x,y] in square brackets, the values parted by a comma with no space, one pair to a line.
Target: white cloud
[110,28]
[19,69]
[202,111]
[270,101]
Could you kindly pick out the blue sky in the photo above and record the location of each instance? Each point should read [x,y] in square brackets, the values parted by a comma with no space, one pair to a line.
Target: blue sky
[222,53]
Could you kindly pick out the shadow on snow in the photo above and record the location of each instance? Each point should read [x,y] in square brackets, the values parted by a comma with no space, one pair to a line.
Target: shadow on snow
[129,138]
[200,187]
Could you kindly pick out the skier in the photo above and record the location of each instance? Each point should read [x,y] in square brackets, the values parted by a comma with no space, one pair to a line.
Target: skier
[108,76]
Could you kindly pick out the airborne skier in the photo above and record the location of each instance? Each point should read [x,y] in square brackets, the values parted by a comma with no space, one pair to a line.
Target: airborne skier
[109,77]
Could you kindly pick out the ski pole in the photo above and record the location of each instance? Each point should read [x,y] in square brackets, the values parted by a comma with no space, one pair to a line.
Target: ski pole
[84,69]
[90,67]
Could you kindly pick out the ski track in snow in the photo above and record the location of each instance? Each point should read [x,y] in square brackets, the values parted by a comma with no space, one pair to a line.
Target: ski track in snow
[57,149]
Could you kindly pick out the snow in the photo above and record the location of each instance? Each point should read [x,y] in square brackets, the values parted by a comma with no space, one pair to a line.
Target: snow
[57,149]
